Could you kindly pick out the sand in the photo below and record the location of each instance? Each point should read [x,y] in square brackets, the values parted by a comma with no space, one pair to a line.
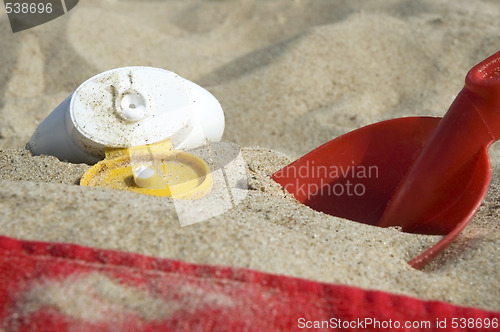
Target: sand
[290,76]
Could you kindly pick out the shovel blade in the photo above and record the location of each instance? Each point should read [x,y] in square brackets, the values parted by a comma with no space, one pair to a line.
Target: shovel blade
[355,175]
[457,207]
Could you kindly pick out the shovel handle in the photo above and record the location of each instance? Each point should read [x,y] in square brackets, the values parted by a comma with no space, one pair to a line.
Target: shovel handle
[471,125]
[483,81]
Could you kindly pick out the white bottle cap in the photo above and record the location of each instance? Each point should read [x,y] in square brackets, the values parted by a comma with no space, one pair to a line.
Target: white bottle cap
[128,107]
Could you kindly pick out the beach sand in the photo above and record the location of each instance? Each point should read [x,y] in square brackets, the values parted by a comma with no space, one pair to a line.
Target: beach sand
[290,76]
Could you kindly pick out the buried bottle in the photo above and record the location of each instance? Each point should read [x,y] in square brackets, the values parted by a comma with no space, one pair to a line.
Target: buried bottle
[138,119]
[127,107]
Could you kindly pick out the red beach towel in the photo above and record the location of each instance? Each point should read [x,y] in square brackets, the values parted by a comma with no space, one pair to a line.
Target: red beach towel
[65,287]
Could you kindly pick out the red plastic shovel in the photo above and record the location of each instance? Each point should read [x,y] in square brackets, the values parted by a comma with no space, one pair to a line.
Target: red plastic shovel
[427,175]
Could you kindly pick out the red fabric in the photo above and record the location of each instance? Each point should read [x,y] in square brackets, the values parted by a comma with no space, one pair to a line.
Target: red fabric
[193,297]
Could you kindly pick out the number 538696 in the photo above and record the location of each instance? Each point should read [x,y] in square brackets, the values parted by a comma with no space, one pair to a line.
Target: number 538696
[28,8]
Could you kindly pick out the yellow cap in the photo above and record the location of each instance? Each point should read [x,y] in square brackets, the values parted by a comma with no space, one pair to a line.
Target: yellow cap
[154,169]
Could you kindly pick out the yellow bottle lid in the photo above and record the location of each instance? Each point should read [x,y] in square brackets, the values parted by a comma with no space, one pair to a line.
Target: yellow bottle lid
[154,169]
